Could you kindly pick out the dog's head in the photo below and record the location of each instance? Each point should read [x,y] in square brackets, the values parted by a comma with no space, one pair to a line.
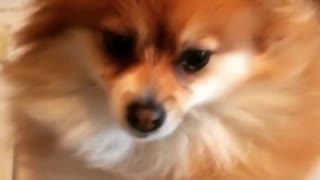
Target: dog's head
[212,70]
[156,61]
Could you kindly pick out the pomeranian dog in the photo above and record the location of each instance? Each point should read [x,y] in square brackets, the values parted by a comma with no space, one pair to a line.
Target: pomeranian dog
[165,90]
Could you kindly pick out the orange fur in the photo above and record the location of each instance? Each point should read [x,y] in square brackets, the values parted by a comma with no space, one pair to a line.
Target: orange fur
[265,126]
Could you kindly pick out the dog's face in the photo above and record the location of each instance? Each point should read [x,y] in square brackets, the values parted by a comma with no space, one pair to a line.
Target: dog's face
[160,60]
[157,61]
[194,75]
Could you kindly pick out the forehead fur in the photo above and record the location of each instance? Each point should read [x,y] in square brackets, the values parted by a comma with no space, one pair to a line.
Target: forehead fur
[53,16]
[166,20]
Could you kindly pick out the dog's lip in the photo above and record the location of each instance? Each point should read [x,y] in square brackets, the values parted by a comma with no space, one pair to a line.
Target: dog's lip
[140,135]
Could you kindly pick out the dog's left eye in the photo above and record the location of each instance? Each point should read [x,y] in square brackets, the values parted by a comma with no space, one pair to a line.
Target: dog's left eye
[194,60]
[118,45]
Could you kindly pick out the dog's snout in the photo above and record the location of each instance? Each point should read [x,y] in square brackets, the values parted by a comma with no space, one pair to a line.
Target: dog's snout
[145,116]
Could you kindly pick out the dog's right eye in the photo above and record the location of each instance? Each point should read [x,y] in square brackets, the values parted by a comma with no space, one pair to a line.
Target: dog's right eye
[194,60]
[119,45]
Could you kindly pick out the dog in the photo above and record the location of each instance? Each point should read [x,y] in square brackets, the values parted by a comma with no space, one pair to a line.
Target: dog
[166,90]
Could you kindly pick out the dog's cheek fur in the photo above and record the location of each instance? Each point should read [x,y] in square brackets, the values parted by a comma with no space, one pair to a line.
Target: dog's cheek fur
[273,116]
[54,83]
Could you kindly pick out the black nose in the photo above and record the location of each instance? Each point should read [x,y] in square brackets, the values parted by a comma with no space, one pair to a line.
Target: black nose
[145,117]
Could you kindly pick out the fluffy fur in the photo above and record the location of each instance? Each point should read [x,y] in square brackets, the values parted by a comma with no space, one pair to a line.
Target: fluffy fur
[252,113]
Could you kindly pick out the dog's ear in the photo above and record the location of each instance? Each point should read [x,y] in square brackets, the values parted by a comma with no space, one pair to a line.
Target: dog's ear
[47,18]
[283,18]
[291,8]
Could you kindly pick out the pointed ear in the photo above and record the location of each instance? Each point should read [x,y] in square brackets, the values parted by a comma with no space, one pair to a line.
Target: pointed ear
[291,8]
[38,20]
[283,18]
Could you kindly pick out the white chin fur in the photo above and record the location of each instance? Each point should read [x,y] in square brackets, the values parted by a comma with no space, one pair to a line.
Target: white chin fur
[113,149]
[106,148]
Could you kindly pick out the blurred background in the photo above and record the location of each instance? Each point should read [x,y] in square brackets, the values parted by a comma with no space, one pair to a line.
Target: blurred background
[9,14]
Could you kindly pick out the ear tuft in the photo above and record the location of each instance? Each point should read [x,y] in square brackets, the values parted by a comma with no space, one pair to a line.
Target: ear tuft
[285,19]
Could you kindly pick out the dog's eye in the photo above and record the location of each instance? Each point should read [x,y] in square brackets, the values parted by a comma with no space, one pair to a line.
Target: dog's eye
[194,60]
[118,45]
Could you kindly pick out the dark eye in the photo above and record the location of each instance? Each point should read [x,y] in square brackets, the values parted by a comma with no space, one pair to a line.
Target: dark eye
[194,60]
[118,45]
